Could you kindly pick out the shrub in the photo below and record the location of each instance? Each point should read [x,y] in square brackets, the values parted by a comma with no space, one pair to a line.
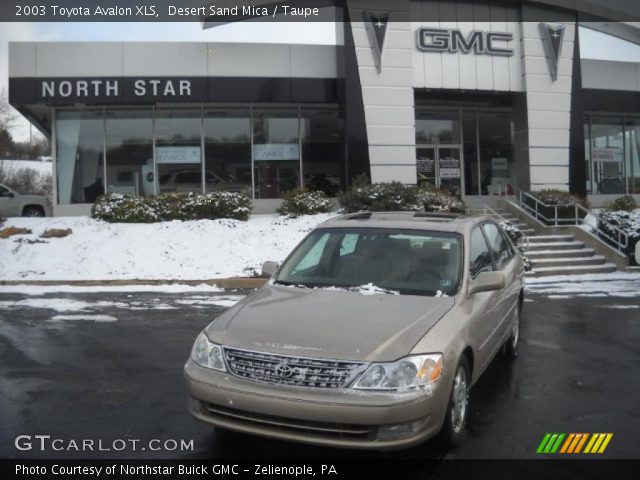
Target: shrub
[434,200]
[564,201]
[628,222]
[625,204]
[125,208]
[300,201]
[396,196]
[117,207]
[512,231]
[558,197]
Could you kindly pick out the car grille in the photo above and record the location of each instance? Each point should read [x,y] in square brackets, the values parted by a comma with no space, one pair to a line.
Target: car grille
[295,371]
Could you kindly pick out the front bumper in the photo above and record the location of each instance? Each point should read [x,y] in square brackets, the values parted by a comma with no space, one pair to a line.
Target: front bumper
[339,418]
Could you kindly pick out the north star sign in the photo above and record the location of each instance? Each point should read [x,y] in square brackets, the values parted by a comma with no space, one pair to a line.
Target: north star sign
[454,41]
[100,88]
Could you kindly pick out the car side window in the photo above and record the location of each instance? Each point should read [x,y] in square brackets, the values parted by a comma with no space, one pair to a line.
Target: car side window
[480,257]
[4,192]
[498,245]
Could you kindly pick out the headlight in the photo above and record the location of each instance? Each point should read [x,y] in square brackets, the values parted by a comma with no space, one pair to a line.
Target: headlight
[207,354]
[407,374]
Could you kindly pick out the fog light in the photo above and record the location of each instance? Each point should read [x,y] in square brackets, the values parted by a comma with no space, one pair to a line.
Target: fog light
[399,430]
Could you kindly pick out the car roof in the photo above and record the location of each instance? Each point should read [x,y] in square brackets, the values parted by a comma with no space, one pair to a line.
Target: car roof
[438,222]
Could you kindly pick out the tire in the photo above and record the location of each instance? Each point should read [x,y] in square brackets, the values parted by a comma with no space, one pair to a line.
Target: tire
[511,345]
[453,430]
[33,211]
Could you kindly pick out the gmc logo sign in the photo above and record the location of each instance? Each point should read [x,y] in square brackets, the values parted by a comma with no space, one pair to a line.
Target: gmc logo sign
[454,41]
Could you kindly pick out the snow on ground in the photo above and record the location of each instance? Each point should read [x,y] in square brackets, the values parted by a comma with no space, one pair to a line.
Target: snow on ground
[12,166]
[90,318]
[616,284]
[63,305]
[173,288]
[203,249]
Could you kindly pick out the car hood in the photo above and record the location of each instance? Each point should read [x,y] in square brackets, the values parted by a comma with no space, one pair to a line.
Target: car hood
[325,323]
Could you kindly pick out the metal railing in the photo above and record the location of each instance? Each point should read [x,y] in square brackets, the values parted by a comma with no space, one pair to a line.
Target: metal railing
[573,215]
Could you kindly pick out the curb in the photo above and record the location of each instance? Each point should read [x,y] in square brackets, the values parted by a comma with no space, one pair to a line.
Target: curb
[226,283]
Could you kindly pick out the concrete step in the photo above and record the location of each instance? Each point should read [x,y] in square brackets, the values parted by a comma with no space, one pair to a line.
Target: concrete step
[551,238]
[574,253]
[567,262]
[555,245]
[572,270]
[528,231]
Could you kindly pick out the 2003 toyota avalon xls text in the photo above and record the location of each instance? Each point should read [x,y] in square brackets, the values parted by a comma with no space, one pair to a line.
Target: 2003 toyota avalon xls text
[369,335]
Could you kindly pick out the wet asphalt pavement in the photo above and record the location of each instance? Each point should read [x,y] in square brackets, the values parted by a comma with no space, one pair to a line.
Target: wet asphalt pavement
[111,368]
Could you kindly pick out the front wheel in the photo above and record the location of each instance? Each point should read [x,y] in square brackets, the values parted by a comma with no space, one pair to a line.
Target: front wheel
[456,417]
[511,346]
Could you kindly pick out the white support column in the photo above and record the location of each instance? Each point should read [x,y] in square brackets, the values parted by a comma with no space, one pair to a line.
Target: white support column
[548,108]
[388,95]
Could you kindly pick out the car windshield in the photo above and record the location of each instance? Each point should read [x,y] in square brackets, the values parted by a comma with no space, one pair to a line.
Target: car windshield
[406,262]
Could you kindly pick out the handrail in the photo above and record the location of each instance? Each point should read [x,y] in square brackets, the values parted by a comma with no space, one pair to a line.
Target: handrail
[620,239]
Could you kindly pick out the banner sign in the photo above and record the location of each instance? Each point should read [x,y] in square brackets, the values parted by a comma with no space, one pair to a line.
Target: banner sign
[607,154]
[276,151]
[178,155]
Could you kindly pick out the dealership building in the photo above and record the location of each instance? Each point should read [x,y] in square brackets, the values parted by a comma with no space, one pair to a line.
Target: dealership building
[480,98]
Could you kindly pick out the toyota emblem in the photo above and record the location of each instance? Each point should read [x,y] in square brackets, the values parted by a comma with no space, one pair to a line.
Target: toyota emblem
[283,370]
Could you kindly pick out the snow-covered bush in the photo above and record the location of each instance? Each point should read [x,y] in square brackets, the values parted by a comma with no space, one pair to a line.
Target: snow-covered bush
[435,200]
[552,196]
[124,208]
[628,222]
[300,201]
[564,201]
[396,196]
[512,230]
[625,203]
[117,207]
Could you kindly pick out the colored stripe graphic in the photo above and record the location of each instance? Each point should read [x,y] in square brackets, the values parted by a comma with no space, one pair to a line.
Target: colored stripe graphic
[573,443]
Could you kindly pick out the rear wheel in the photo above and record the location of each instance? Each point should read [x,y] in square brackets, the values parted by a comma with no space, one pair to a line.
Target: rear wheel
[33,211]
[456,417]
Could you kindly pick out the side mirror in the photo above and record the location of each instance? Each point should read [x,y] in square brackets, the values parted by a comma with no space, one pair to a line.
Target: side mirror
[487,282]
[269,269]
[11,194]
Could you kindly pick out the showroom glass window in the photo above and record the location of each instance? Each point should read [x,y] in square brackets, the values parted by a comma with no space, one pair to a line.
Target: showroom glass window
[470,152]
[227,150]
[79,155]
[178,150]
[129,141]
[497,173]
[607,154]
[437,127]
[632,153]
[276,151]
[587,154]
[322,150]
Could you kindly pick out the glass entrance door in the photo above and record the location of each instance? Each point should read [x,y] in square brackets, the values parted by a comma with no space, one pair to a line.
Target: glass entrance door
[449,171]
[439,166]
